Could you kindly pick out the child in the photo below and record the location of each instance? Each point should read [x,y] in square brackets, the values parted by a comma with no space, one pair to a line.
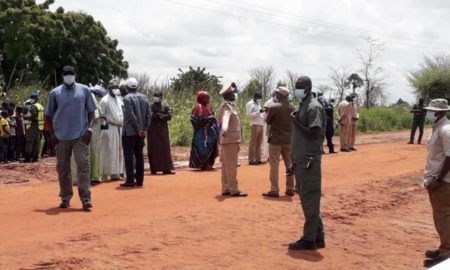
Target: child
[4,137]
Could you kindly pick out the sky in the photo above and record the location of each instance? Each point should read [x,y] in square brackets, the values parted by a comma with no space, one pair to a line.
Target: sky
[231,37]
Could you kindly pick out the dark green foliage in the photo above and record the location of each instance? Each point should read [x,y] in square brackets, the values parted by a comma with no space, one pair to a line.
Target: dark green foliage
[194,80]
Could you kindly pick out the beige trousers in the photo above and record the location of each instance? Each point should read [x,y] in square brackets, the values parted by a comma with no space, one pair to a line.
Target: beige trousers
[229,158]
[440,204]
[345,135]
[275,150]
[254,147]
[352,136]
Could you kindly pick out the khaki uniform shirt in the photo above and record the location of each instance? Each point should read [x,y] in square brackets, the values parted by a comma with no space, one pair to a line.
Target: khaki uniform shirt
[345,112]
[438,150]
[279,120]
[310,114]
[230,123]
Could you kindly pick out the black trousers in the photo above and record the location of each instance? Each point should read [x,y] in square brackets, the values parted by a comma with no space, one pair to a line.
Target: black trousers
[329,134]
[417,123]
[133,148]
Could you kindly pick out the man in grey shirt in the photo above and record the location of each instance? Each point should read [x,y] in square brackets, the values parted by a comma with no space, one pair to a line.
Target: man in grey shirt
[70,114]
[136,121]
[307,147]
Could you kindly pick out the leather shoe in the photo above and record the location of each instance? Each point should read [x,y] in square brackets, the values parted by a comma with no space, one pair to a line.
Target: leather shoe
[410,142]
[302,245]
[289,193]
[431,254]
[353,149]
[433,262]
[261,162]
[87,206]
[274,194]
[168,172]
[64,204]
[253,162]
[320,243]
[239,194]
[127,184]
[345,150]
[225,193]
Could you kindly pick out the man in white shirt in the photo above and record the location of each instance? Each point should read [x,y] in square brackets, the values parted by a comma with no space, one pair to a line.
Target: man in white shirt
[256,115]
[437,178]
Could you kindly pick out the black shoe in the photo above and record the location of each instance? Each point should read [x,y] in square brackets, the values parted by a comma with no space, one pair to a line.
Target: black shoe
[333,152]
[410,142]
[226,193]
[419,142]
[302,245]
[95,182]
[64,204]
[253,162]
[274,194]
[168,172]
[87,205]
[353,149]
[260,162]
[239,194]
[432,262]
[139,185]
[345,150]
[153,172]
[431,254]
[320,243]
[289,193]
[127,184]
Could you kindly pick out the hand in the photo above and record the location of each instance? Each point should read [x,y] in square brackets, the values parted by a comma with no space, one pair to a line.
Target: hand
[142,133]
[293,116]
[434,184]
[53,139]
[87,137]
[224,133]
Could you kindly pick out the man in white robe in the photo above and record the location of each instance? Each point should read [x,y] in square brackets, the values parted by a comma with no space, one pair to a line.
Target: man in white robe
[111,135]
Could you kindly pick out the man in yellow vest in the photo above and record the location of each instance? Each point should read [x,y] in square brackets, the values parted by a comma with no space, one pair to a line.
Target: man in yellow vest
[35,116]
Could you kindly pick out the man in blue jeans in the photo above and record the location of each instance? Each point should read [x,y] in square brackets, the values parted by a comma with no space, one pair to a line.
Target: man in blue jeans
[70,114]
[136,121]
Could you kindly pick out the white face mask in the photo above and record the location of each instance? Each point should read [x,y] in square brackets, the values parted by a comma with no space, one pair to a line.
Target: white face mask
[320,98]
[258,100]
[69,79]
[116,92]
[431,116]
[157,99]
[300,93]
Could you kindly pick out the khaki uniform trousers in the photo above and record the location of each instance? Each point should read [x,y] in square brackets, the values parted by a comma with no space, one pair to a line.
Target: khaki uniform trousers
[229,158]
[352,136]
[275,150]
[254,148]
[345,135]
[440,204]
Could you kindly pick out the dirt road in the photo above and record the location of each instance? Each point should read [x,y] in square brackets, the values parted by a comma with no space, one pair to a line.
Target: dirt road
[375,214]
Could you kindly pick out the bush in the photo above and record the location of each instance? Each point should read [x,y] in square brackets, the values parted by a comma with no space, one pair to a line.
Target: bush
[384,119]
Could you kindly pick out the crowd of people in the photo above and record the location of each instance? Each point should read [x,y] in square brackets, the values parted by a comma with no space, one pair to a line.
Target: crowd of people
[99,135]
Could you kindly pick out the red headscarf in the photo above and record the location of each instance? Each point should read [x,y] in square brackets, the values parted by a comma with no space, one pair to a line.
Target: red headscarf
[202,108]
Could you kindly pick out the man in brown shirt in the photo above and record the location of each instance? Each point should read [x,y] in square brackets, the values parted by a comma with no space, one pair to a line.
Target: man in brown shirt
[278,118]
[230,138]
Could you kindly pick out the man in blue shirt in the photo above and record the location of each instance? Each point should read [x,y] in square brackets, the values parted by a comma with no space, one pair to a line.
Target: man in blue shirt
[70,113]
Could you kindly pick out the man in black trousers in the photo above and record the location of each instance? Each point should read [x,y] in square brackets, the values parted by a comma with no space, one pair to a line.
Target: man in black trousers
[329,111]
[418,121]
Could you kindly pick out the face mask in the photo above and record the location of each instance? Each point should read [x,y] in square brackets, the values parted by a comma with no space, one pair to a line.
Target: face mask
[332,103]
[69,79]
[320,98]
[258,100]
[300,93]
[116,92]
[157,99]
[431,116]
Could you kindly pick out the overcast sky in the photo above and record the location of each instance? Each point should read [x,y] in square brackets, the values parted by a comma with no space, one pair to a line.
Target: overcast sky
[307,37]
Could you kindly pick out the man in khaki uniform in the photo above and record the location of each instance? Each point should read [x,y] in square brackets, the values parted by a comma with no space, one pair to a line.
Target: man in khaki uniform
[229,141]
[354,123]
[437,178]
[345,112]
[279,120]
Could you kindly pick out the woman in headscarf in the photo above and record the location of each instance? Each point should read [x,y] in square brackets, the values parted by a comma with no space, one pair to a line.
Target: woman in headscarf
[204,148]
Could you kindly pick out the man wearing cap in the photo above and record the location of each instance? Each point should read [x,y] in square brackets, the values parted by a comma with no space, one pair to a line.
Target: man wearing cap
[307,147]
[279,121]
[111,152]
[70,112]
[256,115]
[136,122]
[230,139]
[35,118]
[437,177]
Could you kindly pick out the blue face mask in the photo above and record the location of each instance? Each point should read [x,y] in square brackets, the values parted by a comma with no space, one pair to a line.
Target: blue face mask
[300,93]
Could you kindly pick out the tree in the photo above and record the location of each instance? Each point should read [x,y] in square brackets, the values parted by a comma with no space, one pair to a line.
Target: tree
[291,79]
[325,89]
[373,77]
[432,79]
[266,77]
[251,88]
[339,77]
[195,79]
[355,81]
[38,42]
